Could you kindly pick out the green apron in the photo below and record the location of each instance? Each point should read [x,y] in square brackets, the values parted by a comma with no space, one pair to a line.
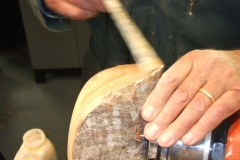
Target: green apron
[168,26]
[170,29]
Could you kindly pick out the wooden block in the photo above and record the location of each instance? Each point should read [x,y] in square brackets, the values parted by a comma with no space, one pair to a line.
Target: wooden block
[106,122]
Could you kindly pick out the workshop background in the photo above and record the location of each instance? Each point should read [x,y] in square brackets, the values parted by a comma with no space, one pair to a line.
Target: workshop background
[37,87]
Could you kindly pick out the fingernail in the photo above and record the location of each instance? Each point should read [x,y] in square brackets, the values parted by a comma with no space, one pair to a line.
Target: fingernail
[188,138]
[148,113]
[166,138]
[152,130]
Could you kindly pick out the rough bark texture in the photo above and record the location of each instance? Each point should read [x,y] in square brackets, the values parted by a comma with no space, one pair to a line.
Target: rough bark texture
[111,131]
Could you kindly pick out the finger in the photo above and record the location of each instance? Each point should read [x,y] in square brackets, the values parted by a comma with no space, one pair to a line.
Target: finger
[175,104]
[70,11]
[90,5]
[178,101]
[225,106]
[98,5]
[191,114]
[166,85]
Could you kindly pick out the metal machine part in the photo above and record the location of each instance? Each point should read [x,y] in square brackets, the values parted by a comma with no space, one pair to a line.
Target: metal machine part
[212,147]
[232,151]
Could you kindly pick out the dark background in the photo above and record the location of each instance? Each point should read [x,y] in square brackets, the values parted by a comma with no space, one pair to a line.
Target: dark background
[11,24]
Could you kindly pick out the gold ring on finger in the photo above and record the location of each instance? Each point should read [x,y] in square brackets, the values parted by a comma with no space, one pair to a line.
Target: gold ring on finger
[207,94]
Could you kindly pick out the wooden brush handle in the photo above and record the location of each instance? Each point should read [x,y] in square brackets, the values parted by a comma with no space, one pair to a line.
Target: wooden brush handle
[142,52]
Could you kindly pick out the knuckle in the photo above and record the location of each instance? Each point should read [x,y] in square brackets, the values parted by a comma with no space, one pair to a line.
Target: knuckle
[236,87]
[169,78]
[210,61]
[228,73]
[198,53]
[198,106]
[217,111]
[181,95]
[210,64]
[194,52]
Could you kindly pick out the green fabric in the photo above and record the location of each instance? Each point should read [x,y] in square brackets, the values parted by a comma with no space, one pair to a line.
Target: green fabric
[169,28]
[167,25]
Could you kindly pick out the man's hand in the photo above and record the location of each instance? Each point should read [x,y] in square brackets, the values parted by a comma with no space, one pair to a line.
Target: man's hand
[176,109]
[76,9]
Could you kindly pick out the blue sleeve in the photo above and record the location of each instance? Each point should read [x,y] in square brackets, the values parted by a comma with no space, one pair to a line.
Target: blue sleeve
[52,19]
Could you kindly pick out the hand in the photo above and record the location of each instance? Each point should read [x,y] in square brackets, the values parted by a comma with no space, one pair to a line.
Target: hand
[176,109]
[76,9]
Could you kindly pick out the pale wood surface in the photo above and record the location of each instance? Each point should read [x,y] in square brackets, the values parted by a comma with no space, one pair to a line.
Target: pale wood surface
[106,121]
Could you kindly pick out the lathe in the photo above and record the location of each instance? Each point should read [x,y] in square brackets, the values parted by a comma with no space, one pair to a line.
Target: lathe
[220,144]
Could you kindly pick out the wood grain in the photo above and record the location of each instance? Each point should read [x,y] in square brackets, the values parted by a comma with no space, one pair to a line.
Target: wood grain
[106,121]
